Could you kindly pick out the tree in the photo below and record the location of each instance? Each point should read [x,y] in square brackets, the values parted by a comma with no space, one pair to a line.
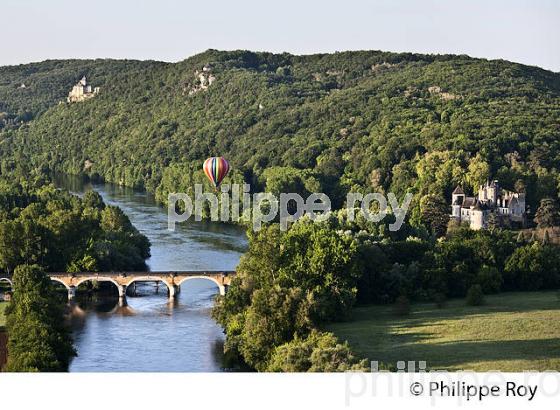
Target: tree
[37,338]
[547,215]
[438,170]
[324,263]
[113,219]
[10,239]
[434,213]
[493,221]
[479,172]
[453,226]
[532,267]
[288,283]
[490,279]
[475,296]
[319,352]
[271,320]
[520,186]
[93,199]
[280,180]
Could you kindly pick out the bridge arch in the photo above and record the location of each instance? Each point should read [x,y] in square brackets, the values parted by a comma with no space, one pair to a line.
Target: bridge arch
[120,288]
[151,279]
[60,281]
[221,287]
[98,279]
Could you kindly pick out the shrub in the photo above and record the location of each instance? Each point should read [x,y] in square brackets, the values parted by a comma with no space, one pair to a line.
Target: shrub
[533,267]
[440,299]
[489,279]
[319,352]
[402,306]
[475,296]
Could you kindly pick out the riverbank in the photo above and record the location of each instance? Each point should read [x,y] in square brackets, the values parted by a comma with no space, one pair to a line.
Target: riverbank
[3,335]
[511,332]
[76,182]
[3,306]
[139,330]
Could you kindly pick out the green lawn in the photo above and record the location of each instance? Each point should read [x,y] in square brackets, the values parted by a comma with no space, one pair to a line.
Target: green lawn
[2,316]
[511,332]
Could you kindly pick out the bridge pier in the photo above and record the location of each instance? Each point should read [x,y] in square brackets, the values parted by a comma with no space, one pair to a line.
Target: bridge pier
[122,291]
[174,290]
[122,280]
[71,293]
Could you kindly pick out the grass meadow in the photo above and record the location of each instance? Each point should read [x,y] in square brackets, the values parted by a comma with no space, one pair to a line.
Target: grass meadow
[511,332]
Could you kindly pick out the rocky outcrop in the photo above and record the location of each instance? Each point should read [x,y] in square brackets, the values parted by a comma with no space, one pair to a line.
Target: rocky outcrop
[436,90]
[381,66]
[203,80]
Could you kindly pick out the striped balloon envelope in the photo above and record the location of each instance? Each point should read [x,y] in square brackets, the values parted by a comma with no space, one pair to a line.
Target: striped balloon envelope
[216,169]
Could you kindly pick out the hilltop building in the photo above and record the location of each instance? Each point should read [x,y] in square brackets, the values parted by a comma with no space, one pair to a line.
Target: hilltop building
[508,208]
[81,91]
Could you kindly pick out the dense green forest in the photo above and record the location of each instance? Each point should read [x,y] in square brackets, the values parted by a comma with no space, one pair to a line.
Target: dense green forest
[43,229]
[291,284]
[42,225]
[353,121]
[28,90]
[337,122]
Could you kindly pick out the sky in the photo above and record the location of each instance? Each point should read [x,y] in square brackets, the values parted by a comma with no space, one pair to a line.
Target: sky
[524,31]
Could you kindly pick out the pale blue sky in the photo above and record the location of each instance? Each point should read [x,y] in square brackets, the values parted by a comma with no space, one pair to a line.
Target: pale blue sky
[518,30]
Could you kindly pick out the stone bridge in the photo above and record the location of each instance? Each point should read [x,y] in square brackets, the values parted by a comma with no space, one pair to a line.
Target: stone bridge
[122,280]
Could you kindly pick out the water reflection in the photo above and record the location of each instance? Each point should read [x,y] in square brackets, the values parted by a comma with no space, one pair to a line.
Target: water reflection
[151,333]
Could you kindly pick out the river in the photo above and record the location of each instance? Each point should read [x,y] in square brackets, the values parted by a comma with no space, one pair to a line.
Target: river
[151,334]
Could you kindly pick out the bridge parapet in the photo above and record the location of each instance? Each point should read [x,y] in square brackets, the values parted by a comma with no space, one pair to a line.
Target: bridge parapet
[173,280]
[7,279]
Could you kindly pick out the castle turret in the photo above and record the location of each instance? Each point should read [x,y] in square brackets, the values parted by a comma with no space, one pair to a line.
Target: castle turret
[457,199]
[477,216]
[493,190]
[82,91]
[483,193]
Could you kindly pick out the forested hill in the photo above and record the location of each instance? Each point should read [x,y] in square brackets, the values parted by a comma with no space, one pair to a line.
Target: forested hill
[28,90]
[364,120]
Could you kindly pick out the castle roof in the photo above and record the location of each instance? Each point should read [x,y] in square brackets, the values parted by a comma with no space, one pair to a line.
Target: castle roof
[458,191]
[477,206]
[469,201]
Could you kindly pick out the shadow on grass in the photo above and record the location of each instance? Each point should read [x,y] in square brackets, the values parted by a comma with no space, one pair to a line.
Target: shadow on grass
[456,353]
[515,302]
[501,332]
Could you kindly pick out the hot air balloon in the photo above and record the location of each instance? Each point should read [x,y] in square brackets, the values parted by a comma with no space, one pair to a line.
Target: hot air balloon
[216,169]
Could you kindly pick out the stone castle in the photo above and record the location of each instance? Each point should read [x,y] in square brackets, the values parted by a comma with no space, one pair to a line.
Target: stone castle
[81,91]
[508,208]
